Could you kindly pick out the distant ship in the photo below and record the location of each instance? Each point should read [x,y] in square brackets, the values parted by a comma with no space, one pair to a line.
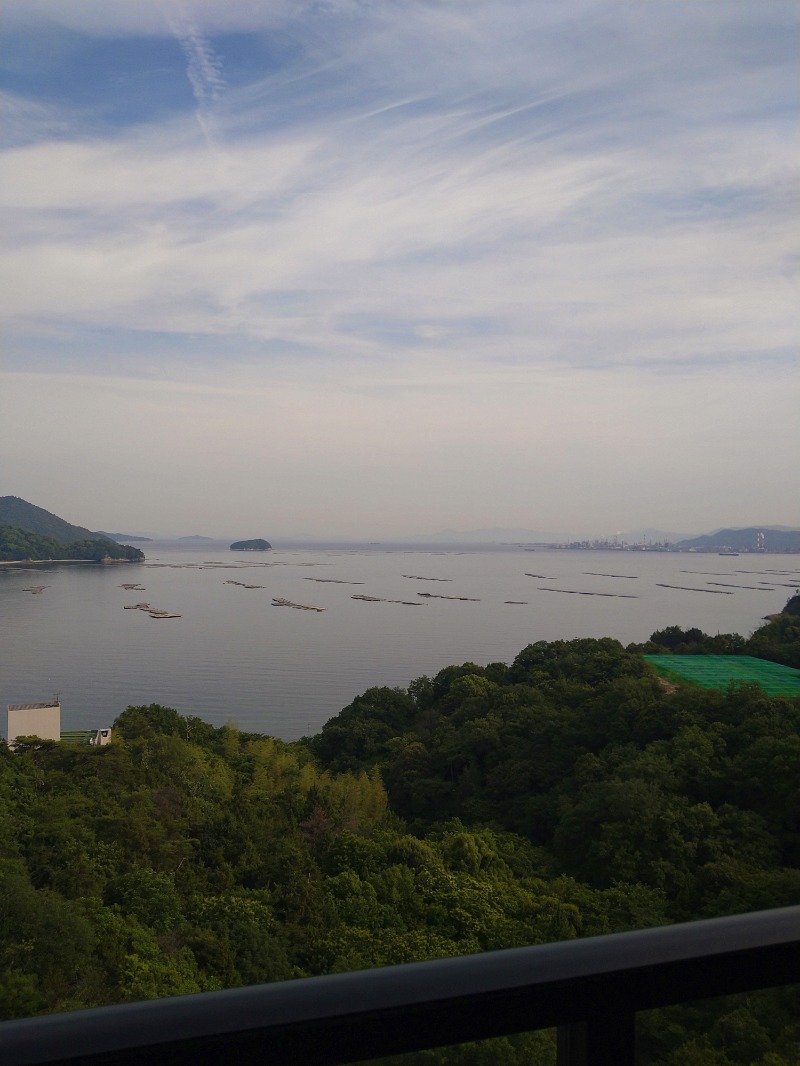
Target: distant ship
[727,551]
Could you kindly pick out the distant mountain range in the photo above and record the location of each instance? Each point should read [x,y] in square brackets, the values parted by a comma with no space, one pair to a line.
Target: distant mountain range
[495,535]
[776,539]
[27,516]
[123,538]
[499,535]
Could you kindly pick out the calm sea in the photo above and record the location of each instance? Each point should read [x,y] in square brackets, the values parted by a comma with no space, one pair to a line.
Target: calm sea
[232,655]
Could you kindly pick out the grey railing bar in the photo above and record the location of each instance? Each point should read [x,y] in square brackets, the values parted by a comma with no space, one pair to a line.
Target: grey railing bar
[370,1013]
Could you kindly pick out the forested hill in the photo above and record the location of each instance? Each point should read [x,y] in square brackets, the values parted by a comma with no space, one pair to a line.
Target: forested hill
[567,794]
[18,545]
[33,519]
[580,749]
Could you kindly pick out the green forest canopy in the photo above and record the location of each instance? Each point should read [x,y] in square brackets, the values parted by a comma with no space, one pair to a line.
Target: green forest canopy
[567,794]
[18,545]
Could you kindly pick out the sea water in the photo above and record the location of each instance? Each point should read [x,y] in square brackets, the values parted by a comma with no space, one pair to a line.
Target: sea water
[234,656]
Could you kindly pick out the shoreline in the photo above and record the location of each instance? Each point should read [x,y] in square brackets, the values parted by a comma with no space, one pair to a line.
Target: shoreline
[68,562]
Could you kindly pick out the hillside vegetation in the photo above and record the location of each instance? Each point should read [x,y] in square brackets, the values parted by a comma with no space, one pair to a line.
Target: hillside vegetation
[23,515]
[20,545]
[567,794]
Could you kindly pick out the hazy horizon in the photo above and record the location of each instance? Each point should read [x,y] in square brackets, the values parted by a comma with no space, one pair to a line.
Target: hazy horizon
[484,536]
[454,536]
[348,270]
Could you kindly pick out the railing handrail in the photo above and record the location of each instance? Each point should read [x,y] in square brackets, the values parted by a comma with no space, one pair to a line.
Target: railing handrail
[346,1017]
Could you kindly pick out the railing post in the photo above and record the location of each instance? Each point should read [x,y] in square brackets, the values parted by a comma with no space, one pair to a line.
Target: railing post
[599,1041]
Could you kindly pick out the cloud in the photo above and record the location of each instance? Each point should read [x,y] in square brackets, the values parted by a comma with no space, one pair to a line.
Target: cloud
[316,236]
[28,121]
[453,230]
[101,19]
[203,66]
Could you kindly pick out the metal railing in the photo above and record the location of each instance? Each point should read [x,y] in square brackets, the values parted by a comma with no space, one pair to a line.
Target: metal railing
[591,989]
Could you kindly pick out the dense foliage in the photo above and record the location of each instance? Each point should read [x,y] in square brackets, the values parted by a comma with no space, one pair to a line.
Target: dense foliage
[778,641]
[568,794]
[581,750]
[20,545]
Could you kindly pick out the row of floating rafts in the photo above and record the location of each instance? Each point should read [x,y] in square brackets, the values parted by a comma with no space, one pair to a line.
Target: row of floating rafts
[154,612]
[382,599]
[328,581]
[279,601]
[439,596]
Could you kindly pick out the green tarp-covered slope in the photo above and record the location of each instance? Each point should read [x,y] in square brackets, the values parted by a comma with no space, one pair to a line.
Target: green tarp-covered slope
[717,671]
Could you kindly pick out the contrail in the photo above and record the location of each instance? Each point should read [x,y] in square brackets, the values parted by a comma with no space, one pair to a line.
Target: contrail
[203,68]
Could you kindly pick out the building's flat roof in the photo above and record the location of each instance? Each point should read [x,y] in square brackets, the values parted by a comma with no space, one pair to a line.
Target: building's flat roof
[31,706]
[717,671]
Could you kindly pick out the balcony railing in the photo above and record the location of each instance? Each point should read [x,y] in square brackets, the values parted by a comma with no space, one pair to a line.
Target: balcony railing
[591,989]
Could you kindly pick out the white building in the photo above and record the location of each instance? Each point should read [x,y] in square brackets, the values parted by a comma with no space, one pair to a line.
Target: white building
[41,720]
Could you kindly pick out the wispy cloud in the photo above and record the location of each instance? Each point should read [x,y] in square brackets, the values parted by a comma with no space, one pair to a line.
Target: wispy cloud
[478,218]
[203,66]
[28,121]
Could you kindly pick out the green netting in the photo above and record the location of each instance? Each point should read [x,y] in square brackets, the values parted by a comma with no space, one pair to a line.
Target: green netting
[78,736]
[717,671]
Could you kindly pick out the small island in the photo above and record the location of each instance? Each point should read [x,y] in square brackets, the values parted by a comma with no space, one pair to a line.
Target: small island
[257,545]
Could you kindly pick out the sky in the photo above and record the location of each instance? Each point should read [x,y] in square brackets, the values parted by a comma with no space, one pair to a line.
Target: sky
[373,268]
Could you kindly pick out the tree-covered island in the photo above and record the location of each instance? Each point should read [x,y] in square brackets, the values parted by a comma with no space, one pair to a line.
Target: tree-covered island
[257,545]
[569,793]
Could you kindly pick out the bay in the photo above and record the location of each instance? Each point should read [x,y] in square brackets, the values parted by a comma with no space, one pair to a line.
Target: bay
[233,656]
